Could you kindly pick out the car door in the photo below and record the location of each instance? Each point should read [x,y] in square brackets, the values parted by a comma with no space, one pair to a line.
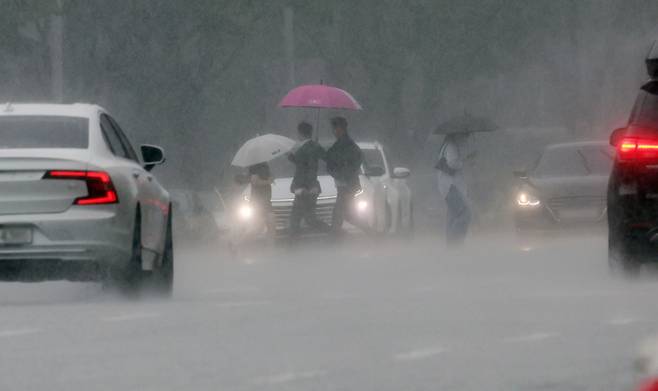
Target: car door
[153,198]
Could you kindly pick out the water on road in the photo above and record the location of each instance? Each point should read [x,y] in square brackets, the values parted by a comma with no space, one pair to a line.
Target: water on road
[363,315]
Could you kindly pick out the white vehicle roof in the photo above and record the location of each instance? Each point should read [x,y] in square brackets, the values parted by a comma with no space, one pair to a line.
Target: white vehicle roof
[79,110]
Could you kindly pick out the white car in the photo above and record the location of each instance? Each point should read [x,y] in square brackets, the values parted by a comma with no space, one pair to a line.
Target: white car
[77,202]
[384,201]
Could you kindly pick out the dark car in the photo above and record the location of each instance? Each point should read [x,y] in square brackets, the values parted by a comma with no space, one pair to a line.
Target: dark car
[633,188]
[566,187]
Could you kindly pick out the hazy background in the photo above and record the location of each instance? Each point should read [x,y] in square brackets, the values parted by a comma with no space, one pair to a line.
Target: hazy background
[199,77]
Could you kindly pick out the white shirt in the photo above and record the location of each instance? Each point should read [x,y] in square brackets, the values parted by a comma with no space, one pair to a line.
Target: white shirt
[454,154]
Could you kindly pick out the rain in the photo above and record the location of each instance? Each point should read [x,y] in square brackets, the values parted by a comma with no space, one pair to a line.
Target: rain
[328,195]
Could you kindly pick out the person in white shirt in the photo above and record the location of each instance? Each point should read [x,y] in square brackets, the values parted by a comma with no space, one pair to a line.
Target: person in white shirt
[452,186]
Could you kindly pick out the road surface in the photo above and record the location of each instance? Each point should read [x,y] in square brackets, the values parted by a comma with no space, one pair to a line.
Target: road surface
[359,316]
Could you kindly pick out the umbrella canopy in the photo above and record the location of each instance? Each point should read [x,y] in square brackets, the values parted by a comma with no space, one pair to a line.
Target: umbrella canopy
[320,96]
[262,149]
[466,123]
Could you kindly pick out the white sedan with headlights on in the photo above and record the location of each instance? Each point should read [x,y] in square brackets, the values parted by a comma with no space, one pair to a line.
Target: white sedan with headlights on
[77,202]
[566,187]
[384,201]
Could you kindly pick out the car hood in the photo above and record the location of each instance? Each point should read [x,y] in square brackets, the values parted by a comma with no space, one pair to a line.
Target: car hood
[582,186]
[281,188]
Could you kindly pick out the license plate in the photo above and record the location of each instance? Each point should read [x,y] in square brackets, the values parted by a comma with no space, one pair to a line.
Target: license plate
[15,235]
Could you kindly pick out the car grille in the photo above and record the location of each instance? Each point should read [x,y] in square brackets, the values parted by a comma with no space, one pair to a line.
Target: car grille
[283,209]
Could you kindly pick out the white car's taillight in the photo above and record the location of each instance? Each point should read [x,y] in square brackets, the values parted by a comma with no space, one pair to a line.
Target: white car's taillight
[100,189]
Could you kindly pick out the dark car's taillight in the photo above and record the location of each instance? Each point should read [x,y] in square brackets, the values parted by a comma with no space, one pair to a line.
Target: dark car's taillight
[99,186]
[635,148]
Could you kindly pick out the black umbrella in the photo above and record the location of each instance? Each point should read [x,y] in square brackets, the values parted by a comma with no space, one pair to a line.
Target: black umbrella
[466,123]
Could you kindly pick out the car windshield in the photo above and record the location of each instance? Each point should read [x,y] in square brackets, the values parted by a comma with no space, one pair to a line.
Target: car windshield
[575,160]
[645,110]
[21,132]
[373,158]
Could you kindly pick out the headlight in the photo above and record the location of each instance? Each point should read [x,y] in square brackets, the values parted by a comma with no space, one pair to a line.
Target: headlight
[245,212]
[360,203]
[527,200]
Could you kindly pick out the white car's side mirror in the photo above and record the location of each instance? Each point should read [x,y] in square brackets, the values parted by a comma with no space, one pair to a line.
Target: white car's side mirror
[152,156]
[401,172]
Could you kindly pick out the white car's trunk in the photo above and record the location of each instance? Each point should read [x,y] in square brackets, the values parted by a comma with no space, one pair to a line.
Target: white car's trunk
[23,189]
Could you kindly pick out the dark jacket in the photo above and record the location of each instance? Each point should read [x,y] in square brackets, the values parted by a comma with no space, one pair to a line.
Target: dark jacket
[306,160]
[344,160]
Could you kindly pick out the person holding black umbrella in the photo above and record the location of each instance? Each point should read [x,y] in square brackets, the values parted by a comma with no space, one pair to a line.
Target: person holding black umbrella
[452,186]
[453,155]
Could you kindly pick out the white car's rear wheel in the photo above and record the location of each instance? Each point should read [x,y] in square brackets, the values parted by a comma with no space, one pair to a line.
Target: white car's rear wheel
[130,277]
[164,276]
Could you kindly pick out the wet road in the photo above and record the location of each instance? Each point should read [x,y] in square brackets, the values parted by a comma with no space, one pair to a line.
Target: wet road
[369,316]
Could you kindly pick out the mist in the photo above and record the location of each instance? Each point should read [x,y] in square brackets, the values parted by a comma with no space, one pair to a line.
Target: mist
[201,78]
[525,302]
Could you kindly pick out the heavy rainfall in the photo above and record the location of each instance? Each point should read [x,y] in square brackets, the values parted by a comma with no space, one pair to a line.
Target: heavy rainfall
[329,195]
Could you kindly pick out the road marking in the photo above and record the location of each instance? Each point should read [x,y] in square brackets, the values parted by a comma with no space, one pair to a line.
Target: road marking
[127,317]
[18,332]
[233,304]
[534,337]
[288,377]
[621,321]
[419,354]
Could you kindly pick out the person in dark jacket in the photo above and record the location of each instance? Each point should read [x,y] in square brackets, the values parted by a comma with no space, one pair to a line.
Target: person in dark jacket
[305,186]
[344,160]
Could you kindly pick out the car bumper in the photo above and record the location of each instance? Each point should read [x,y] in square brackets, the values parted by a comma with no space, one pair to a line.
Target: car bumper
[76,240]
[543,218]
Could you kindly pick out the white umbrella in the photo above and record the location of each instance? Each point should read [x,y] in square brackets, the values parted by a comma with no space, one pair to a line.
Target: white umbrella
[262,149]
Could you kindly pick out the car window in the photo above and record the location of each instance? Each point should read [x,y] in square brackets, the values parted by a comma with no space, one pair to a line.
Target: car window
[598,159]
[23,132]
[130,151]
[112,138]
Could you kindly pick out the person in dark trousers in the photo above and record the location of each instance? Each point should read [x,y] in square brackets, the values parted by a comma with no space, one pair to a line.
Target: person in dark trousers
[344,160]
[305,186]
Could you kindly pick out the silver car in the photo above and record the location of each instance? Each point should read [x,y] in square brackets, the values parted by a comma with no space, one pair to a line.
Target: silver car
[77,202]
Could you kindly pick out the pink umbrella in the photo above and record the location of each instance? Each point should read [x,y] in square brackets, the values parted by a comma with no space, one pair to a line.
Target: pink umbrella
[320,96]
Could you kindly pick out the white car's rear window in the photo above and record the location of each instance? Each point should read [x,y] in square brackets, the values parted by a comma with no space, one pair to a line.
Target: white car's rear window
[23,132]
